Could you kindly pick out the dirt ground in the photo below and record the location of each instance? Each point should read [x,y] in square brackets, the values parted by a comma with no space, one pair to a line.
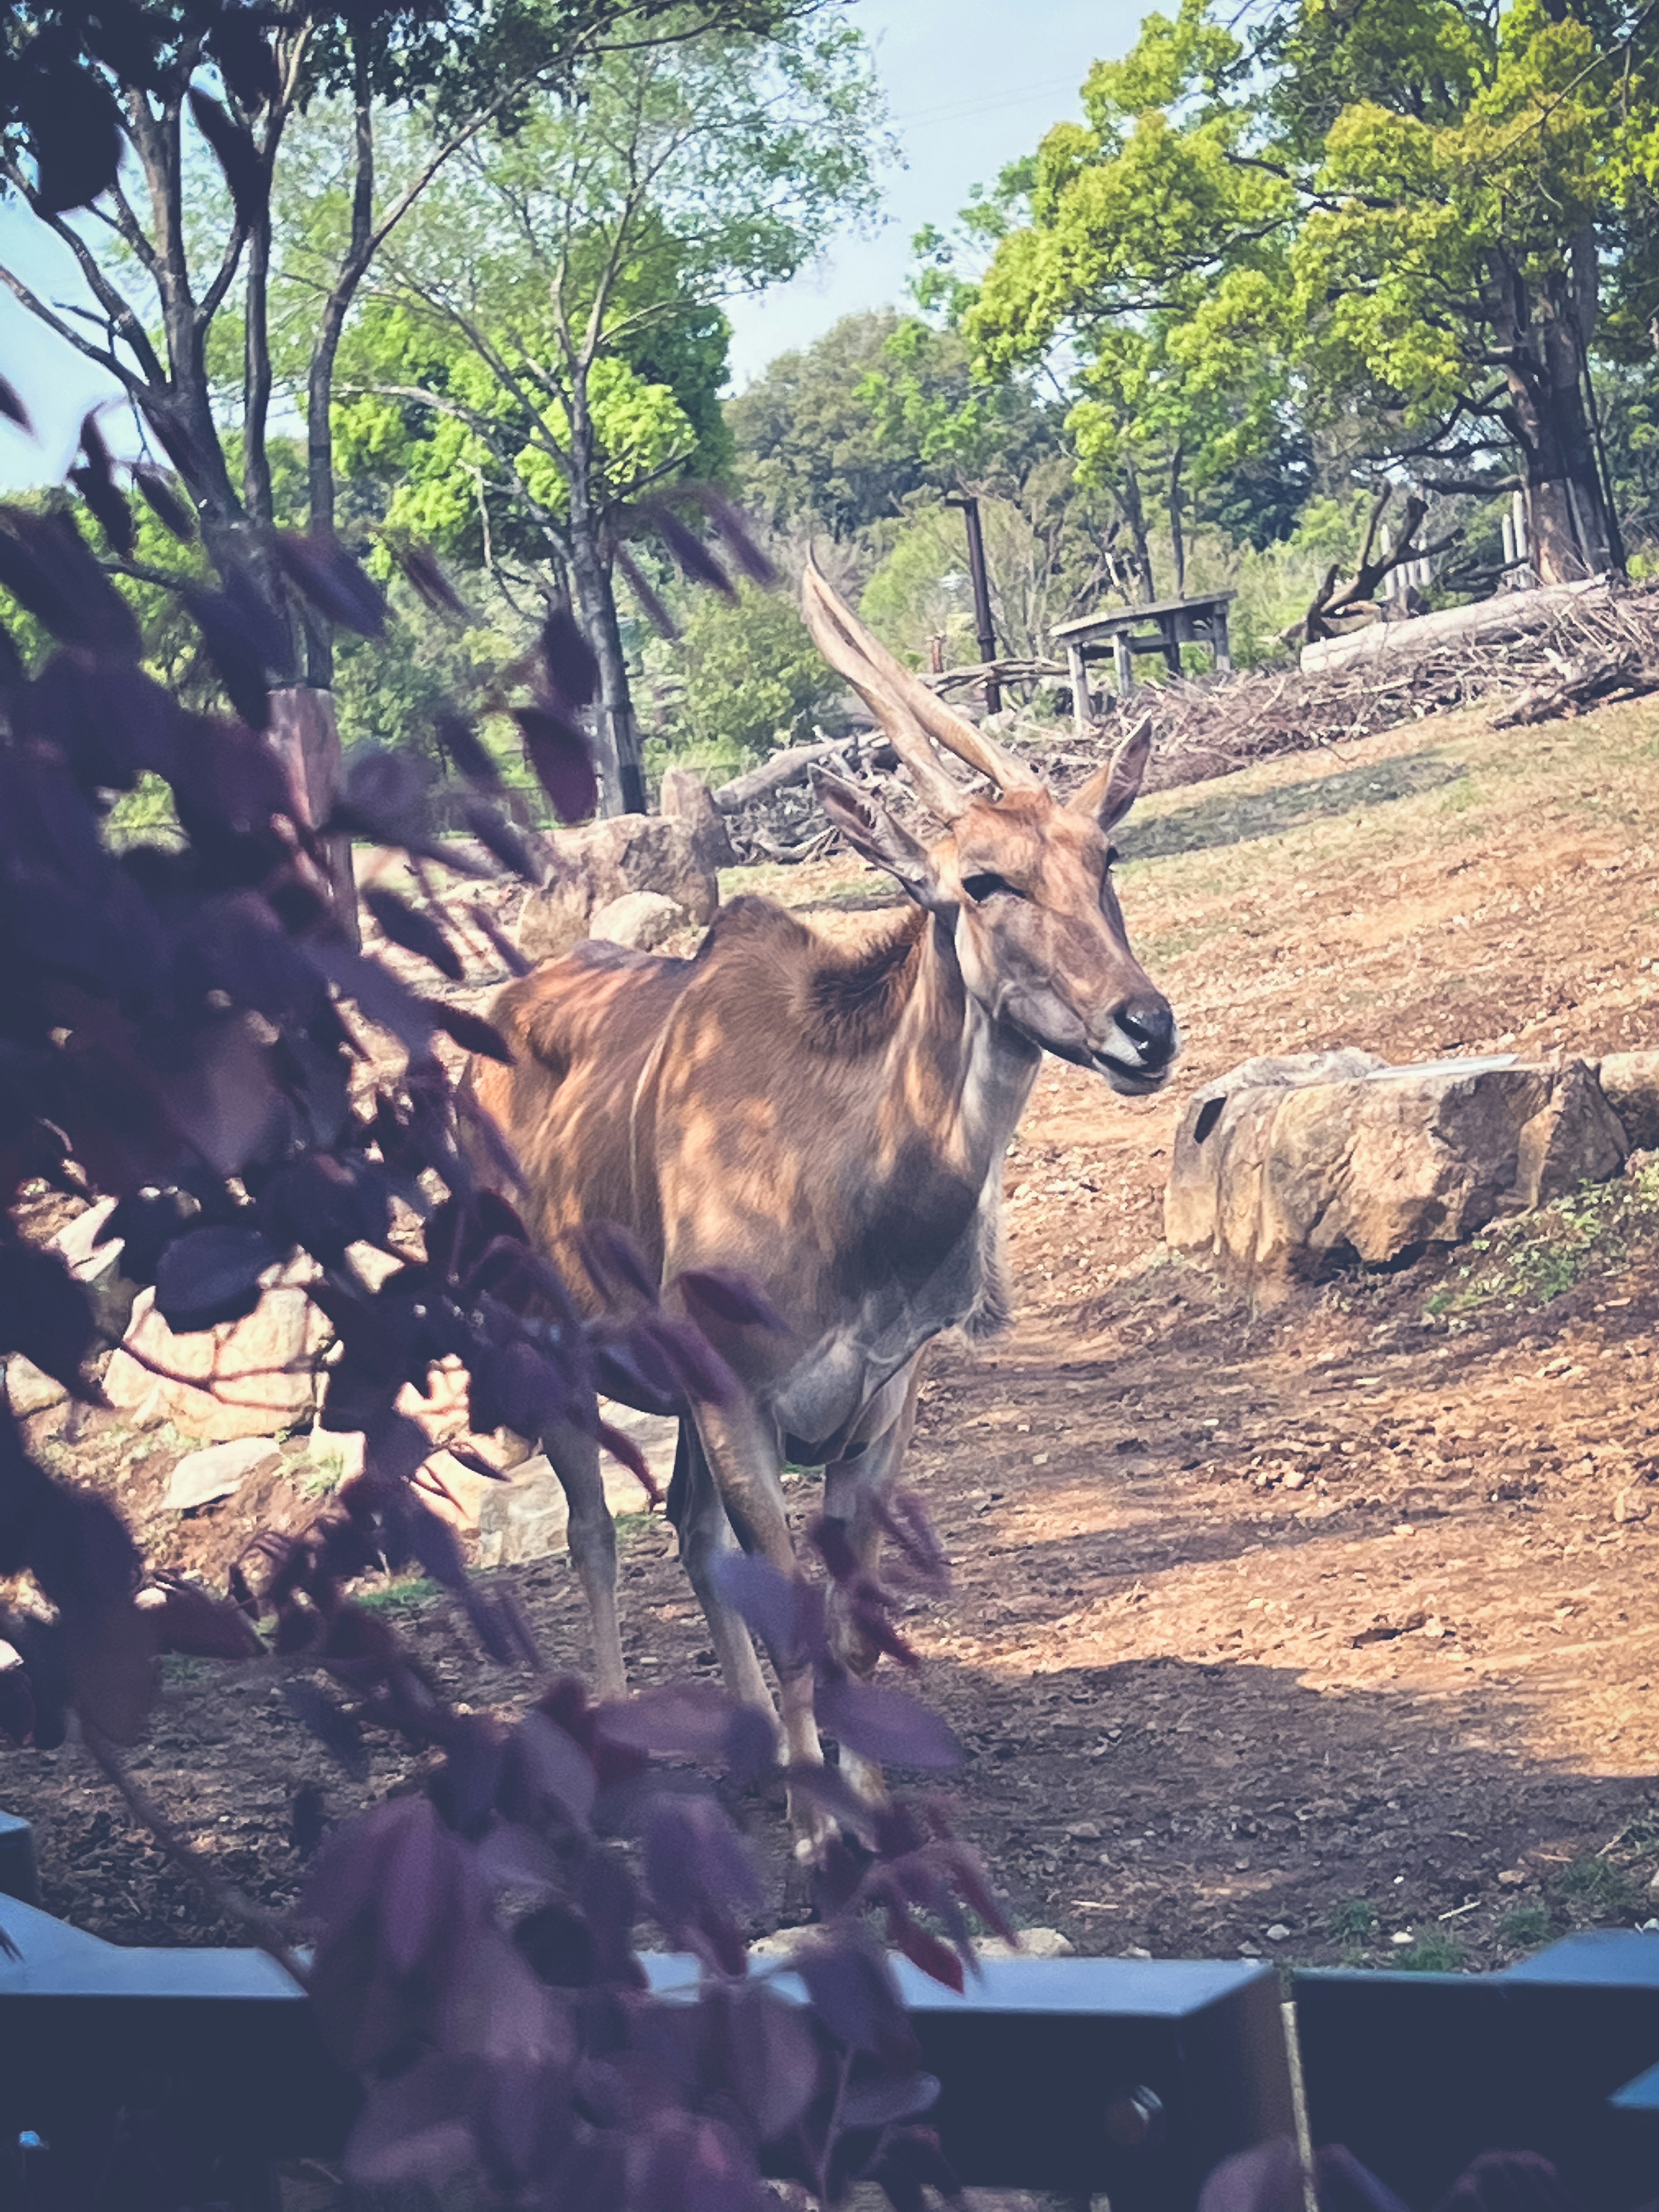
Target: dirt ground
[1319,1633]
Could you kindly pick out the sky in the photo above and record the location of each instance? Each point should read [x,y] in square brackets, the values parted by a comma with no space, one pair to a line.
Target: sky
[971,85]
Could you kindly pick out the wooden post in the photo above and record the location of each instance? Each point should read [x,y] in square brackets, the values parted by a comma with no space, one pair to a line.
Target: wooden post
[982,624]
[1083,710]
[1223,651]
[307,737]
[1123,656]
[1169,630]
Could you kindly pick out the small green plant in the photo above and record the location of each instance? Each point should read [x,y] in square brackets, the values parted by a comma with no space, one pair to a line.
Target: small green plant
[1536,1258]
[1433,1953]
[398,1597]
[1527,1926]
[1356,1918]
[1597,1886]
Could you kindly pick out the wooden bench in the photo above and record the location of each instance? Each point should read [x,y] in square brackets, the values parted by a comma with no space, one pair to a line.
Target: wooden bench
[1175,623]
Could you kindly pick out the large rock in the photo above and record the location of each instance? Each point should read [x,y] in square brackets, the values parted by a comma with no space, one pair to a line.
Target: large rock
[686,799]
[217,1471]
[253,1377]
[606,860]
[527,1517]
[1629,1084]
[642,919]
[1287,1167]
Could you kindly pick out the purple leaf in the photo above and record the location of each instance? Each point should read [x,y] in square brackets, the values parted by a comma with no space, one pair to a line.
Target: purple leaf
[1507,2181]
[185,1620]
[885,2099]
[420,566]
[689,1720]
[13,407]
[614,1263]
[500,837]
[333,1726]
[548,1768]
[503,947]
[96,485]
[470,1031]
[417,1898]
[212,1275]
[572,666]
[237,156]
[854,1993]
[562,761]
[416,931]
[733,527]
[777,2063]
[244,58]
[936,1959]
[693,556]
[308,1821]
[1343,2185]
[768,1601]
[622,1447]
[75,133]
[236,650]
[729,1296]
[1267,2177]
[886,1725]
[650,604]
[44,1313]
[325,573]
[169,510]
[461,745]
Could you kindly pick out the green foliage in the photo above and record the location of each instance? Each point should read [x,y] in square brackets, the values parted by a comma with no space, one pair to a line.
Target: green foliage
[1433,1954]
[1598,1887]
[844,433]
[751,678]
[1535,1258]
[1355,1919]
[1526,1927]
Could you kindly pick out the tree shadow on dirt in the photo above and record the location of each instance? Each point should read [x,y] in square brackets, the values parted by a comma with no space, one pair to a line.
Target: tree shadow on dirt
[1231,819]
[1186,1810]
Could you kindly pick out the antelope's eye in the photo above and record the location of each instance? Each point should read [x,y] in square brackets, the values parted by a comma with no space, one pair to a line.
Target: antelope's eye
[980,888]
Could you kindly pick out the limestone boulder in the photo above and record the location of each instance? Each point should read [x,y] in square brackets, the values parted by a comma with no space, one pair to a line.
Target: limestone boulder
[642,919]
[252,1378]
[1287,1167]
[217,1471]
[685,798]
[1629,1084]
[606,860]
[526,1517]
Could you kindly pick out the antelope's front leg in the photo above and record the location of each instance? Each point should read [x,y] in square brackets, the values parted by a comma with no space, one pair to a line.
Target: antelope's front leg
[851,1488]
[743,1453]
[592,1536]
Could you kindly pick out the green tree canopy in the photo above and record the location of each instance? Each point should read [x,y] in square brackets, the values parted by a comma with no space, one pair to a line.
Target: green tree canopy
[1399,220]
[546,343]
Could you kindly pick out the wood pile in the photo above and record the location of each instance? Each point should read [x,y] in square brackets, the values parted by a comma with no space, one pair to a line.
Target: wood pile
[1567,650]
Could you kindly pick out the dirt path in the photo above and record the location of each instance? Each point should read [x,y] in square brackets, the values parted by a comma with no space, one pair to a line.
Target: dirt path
[1332,1623]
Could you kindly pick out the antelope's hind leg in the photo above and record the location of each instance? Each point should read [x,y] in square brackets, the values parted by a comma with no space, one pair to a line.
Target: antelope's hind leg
[704,1532]
[591,1537]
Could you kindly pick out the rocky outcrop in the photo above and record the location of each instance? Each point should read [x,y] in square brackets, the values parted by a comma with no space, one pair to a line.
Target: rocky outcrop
[686,799]
[607,859]
[641,919]
[1289,1166]
[1629,1084]
[253,1377]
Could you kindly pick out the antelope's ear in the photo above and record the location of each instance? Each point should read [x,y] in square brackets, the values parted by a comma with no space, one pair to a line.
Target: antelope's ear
[869,829]
[1111,791]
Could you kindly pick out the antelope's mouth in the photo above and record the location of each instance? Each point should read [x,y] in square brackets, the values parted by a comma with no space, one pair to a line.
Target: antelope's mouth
[1129,1078]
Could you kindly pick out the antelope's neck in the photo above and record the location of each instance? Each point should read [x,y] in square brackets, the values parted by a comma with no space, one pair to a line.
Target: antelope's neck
[957,1076]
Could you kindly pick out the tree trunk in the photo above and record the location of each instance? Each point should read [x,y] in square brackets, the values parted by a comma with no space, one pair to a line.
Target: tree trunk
[1177,538]
[1541,348]
[1134,514]
[307,737]
[621,774]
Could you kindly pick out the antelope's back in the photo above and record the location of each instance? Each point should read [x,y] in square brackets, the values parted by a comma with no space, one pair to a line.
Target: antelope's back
[580,1029]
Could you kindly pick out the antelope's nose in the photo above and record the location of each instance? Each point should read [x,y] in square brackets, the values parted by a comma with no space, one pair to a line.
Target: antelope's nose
[1146,1026]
